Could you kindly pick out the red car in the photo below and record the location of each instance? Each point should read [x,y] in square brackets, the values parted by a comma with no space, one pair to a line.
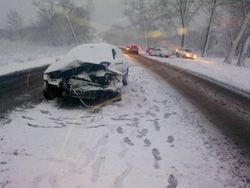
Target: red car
[133,49]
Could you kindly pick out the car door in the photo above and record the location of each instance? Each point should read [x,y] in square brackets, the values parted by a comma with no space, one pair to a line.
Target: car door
[120,62]
[158,52]
[153,52]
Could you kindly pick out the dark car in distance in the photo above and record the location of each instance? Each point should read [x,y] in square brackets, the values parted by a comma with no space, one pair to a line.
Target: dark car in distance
[133,49]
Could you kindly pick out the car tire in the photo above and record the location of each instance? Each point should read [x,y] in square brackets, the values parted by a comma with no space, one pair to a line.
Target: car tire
[48,92]
[125,78]
[177,55]
[161,55]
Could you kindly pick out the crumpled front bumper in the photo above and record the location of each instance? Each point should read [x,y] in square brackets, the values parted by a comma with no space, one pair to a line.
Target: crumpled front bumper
[87,84]
[91,90]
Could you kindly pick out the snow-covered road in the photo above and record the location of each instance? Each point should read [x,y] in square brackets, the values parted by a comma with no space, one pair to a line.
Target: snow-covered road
[152,138]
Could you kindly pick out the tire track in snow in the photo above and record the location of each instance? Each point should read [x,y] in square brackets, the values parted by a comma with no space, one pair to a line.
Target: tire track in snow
[119,179]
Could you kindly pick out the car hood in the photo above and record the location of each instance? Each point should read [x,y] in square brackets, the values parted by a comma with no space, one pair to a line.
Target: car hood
[67,64]
[87,53]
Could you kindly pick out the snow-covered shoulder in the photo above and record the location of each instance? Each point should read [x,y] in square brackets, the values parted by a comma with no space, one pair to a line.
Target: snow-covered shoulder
[214,68]
[20,55]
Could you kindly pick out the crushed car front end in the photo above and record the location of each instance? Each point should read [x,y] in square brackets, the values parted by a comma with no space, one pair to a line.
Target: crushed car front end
[88,81]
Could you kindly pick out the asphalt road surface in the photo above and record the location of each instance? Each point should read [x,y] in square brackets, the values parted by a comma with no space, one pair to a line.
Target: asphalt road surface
[227,109]
[21,88]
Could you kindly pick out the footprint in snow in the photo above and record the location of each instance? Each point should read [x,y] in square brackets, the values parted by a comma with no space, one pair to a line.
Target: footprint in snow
[170,139]
[120,130]
[147,142]
[157,157]
[166,115]
[172,181]
[150,114]
[128,141]
[157,126]
[142,133]
[45,112]
[139,105]
[29,118]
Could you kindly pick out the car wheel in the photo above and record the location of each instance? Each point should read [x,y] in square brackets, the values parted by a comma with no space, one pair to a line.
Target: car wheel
[177,55]
[48,92]
[161,55]
[125,79]
[166,56]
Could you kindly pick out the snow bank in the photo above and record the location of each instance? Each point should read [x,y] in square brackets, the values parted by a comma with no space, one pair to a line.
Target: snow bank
[20,55]
[214,68]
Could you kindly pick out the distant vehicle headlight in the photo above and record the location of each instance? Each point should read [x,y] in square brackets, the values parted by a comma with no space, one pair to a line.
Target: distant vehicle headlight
[188,55]
[194,56]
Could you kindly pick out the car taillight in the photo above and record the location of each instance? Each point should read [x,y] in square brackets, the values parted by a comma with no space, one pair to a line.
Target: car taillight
[130,46]
[137,47]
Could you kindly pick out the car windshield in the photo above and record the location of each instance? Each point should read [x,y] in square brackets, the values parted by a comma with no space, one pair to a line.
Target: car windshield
[187,50]
[124,93]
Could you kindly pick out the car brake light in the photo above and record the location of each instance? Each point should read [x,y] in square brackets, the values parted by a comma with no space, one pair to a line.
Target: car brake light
[130,46]
[137,47]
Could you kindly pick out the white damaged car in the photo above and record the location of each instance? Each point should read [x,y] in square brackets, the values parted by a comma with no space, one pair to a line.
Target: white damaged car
[88,71]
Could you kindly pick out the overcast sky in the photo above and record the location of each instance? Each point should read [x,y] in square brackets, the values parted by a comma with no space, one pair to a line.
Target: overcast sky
[107,12]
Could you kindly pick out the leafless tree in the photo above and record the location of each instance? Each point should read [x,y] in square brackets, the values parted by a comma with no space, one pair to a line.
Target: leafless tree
[186,9]
[120,35]
[48,16]
[64,21]
[243,54]
[246,39]
[144,14]
[212,5]
[14,23]
[67,6]
[238,37]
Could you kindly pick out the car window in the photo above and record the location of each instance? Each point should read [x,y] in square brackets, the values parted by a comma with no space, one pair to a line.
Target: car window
[114,53]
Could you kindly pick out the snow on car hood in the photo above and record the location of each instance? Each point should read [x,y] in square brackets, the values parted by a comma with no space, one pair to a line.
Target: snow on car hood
[86,53]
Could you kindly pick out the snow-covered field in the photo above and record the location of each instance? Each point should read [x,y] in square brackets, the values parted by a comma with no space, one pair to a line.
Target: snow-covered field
[214,68]
[16,56]
[153,138]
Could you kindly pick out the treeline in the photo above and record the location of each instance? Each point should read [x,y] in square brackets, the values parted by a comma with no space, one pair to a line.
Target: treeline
[210,27]
[59,22]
